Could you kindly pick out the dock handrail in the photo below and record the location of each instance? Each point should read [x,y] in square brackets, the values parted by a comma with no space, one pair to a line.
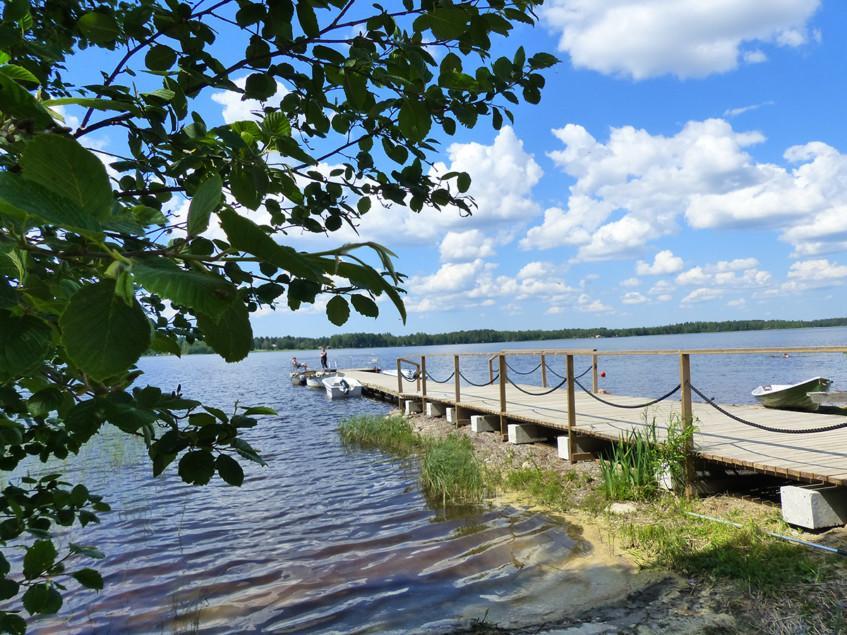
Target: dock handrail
[400,377]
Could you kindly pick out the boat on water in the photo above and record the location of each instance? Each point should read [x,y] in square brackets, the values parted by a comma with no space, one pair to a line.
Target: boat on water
[340,387]
[792,396]
[408,373]
[316,380]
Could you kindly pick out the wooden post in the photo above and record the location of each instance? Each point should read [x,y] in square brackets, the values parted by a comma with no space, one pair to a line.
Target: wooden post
[594,385]
[457,387]
[543,370]
[502,397]
[399,379]
[571,408]
[687,419]
[490,370]
[422,378]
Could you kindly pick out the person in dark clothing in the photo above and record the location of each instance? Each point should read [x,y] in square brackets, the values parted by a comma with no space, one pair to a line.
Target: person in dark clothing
[324,363]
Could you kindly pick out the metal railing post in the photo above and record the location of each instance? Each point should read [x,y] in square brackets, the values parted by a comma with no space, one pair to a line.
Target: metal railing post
[571,408]
[595,387]
[422,379]
[543,370]
[457,387]
[502,396]
[687,417]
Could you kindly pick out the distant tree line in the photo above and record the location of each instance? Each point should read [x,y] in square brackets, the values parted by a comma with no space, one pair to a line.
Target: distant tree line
[478,336]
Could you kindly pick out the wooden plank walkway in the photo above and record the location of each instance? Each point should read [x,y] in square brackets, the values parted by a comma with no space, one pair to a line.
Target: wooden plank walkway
[812,457]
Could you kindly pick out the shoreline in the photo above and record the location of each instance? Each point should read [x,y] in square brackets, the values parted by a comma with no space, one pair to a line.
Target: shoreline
[654,598]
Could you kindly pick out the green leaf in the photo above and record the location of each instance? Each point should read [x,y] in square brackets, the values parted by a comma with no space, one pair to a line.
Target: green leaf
[259,410]
[414,120]
[18,73]
[261,86]
[242,184]
[39,558]
[83,550]
[61,165]
[160,58]
[245,235]
[206,200]
[89,578]
[229,470]
[356,88]
[448,23]
[17,102]
[101,334]
[276,124]
[12,623]
[24,344]
[16,10]
[230,335]
[337,310]
[20,198]
[204,292]
[100,28]
[162,343]
[307,18]
[463,182]
[8,588]
[90,102]
[42,598]
[197,467]
[542,60]
[364,305]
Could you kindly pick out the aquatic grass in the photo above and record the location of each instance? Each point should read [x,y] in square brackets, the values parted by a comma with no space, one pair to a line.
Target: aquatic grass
[638,459]
[549,488]
[450,471]
[392,433]
[673,540]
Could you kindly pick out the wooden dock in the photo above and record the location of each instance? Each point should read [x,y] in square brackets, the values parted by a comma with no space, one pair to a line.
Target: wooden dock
[812,457]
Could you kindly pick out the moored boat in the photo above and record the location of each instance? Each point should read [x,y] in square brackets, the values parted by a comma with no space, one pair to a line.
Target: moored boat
[316,380]
[408,374]
[792,396]
[342,387]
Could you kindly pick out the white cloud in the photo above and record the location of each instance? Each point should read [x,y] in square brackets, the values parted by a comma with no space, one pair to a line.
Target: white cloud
[817,270]
[686,38]
[755,57]
[467,245]
[737,273]
[236,109]
[589,305]
[631,282]
[737,303]
[633,297]
[703,294]
[661,287]
[449,278]
[740,110]
[637,187]
[664,263]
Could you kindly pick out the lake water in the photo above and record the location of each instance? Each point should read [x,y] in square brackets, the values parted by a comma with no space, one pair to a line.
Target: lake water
[329,540]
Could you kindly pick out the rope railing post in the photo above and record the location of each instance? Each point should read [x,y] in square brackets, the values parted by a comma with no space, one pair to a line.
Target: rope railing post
[687,416]
[595,387]
[543,370]
[457,387]
[399,379]
[502,397]
[490,370]
[422,380]
[571,408]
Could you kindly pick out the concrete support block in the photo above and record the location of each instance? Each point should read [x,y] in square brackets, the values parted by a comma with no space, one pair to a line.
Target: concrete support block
[525,433]
[411,406]
[814,506]
[485,423]
[452,417]
[585,447]
[434,409]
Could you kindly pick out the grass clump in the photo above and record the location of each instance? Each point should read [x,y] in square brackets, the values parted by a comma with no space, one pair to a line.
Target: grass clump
[392,434]
[697,547]
[639,458]
[450,471]
[548,488]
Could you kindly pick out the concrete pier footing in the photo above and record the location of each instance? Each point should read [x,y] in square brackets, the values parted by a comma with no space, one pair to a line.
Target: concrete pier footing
[434,409]
[485,423]
[411,406]
[525,433]
[452,416]
[584,447]
[814,506]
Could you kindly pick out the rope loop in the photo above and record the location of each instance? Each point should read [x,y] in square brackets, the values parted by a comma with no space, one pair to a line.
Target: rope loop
[520,372]
[633,407]
[837,426]
[538,394]
[580,376]
[442,381]
[488,383]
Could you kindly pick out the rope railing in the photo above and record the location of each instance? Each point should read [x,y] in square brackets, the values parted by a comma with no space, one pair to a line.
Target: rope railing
[440,381]
[581,375]
[746,422]
[521,372]
[538,394]
[488,383]
[633,406]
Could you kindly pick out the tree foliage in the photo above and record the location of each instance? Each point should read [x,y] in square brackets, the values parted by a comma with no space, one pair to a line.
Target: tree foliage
[177,232]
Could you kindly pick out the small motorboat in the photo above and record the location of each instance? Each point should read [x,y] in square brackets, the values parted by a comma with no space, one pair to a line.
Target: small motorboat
[316,380]
[339,387]
[298,377]
[408,373]
[792,396]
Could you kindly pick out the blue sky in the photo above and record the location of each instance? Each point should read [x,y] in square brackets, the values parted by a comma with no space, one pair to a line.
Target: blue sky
[685,164]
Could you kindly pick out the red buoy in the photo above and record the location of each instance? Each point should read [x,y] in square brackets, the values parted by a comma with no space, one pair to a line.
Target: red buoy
[602,373]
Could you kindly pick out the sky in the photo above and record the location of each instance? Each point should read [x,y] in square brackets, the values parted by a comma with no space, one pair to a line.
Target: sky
[687,162]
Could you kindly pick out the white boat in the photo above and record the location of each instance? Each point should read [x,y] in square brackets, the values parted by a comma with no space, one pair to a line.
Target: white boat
[792,396]
[316,380]
[408,374]
[342,387]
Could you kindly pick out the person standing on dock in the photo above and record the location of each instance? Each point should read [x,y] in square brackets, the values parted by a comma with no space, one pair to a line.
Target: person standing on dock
[324,362]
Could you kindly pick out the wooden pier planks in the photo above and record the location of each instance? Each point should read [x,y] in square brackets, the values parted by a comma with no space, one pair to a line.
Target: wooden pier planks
[819,456]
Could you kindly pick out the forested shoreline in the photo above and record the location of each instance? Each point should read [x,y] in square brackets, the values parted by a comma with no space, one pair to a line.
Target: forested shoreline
[478,336]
